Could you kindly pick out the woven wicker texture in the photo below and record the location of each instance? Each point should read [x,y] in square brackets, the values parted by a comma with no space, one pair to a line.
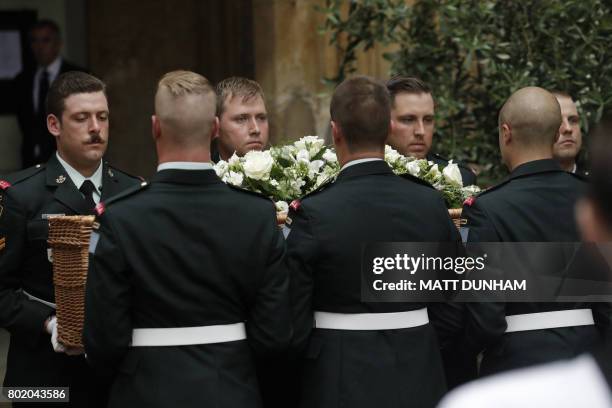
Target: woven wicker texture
[69,239]
[455,214]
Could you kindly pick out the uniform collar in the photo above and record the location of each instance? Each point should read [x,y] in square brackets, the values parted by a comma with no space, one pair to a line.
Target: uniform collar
[368,167]
[535,167]
[359,161]
[78,179]
[182,165]
[182,176]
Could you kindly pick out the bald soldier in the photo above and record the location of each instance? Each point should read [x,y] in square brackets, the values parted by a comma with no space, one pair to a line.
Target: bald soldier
[535,203]
[179,299]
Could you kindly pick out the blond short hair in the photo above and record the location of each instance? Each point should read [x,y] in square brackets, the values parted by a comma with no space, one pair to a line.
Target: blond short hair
[231,87]
[179,83]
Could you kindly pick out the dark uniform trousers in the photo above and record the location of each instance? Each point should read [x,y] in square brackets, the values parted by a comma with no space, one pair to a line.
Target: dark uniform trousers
[185,251]
[362,368]
[27,199]
[534,204]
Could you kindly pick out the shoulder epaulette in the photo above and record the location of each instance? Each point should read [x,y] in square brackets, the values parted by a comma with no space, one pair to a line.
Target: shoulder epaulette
[494,187]
[410,177]
[101,207]
[11,179]
[297,203]
[111,170]
[244,190]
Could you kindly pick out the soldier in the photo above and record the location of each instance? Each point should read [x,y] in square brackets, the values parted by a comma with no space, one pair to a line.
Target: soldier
[567,147]
[71,182]
[412,111]
[346,363]
[535,203]
[586,380]
[243,119]
[186,280]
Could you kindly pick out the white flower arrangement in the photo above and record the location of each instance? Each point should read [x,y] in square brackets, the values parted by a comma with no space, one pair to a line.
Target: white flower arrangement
[282,173]
[288,172]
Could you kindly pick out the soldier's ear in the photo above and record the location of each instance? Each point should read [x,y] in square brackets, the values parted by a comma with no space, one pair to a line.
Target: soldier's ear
[506,134]
[214,132]
[336,132]
[155,127]
[216,129]
[54,125]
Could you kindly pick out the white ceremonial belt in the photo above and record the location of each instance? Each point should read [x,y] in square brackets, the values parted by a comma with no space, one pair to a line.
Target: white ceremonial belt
[371,321]
[39,300]
[549,320]
[185,336]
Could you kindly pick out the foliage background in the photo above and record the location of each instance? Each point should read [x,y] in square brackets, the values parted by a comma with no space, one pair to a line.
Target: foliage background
[475,53]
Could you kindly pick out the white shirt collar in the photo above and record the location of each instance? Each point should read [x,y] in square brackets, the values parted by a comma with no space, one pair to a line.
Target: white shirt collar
[181,165]
[78,179]
[575,168]
[53,69]
[359,161]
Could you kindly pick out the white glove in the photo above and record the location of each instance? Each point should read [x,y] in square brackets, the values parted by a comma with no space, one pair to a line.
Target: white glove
[52,330]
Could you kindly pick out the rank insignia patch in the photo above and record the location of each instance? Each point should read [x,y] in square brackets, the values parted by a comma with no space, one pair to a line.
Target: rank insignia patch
[2,243]
[295,205]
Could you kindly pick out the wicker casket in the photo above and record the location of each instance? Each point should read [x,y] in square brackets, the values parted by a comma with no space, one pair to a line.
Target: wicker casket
[455,214]
[69,240]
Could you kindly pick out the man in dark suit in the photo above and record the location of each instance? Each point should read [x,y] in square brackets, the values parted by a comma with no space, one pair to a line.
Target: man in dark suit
[71,182]
[186,281]
[535,203]
[361,366]
[29,90]
[413,111]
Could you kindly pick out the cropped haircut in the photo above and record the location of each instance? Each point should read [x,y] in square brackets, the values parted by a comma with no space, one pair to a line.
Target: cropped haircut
[361,107]
[232,87]
[70,83]
[179,83]
[403,84]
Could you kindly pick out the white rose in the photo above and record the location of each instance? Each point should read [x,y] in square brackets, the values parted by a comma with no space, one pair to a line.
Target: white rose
[330,157]
[434,171]
[413,168]
[221,168]
[282,206]
[452,174]
[391,155]
[234,159]
[257,165]
[315,165]
[303,156]
[235,178]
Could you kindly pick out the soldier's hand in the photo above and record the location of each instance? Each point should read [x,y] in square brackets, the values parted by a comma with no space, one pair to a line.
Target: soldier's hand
[51,328]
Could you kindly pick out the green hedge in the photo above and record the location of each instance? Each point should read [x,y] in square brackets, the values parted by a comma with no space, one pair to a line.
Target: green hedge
[474,54]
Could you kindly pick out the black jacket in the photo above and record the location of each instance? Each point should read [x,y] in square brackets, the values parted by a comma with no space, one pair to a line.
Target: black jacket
[34,194]
[187,250]
[535,203]
[385,368]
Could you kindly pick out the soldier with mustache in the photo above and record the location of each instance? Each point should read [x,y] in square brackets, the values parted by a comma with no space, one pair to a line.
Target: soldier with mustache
[72,182]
